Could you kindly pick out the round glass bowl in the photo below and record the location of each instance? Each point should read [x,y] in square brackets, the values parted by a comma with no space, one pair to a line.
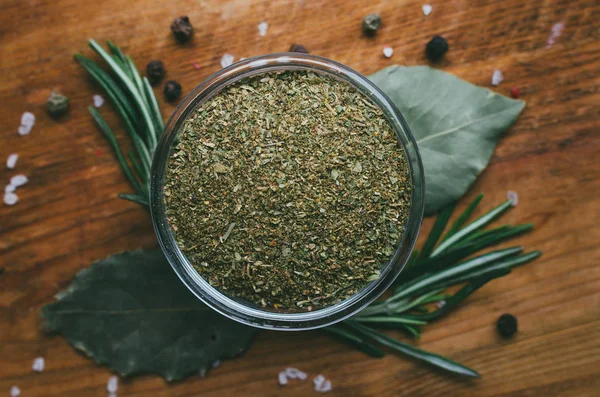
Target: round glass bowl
[246,312]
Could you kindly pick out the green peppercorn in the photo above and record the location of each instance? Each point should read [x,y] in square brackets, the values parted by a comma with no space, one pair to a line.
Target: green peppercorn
[371,24]
[57,104]
[155,70]
[436,48]
[298,48]
[182,29]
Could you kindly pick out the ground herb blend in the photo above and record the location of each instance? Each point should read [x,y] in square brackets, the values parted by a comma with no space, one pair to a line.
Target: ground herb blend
[288,190]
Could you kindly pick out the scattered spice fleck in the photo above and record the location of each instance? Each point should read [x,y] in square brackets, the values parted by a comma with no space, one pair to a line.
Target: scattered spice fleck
[38,364]
[295,373]
[371,24]
[196,65]
[113,384]
[182,29]
[15,391]
[298,48]
[155,70]
[10,198]
[513,197]
[557,30]
[507,325]
[282,378]
[427,8]
[514,92]
[262,28]
[99,152]
[98,101]
[172,90]
[388,51]
[57,104]
[436,48]
[27,123]
[226,60]
[497,77]
[18,180]
[11,161]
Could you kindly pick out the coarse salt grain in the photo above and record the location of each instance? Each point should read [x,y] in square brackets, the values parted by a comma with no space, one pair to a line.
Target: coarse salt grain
[295,373]
[262,29]
[216,363]
[10,198]
[427,8]
[557,29]
[38,364]
[513,197]
[497,77]
[441,304]
[113,384]
[282,378]
[18,180]
[226,60]
[9,188]
[27,123]
[11,161]
[318,381]
[388,52]
[325,387]
[98,101]
[15,391]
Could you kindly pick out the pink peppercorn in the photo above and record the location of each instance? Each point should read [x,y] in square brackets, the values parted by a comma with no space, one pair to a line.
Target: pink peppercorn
[514,92]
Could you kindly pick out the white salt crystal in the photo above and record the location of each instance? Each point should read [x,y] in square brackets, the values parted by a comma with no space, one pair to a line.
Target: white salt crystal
[226,60]
[513,197]
[318,381]
[216,363]
[28,119]
[15,391]
[440,304]
[388,52]
[557,29]
[113,384]
[497,77]
[9,188]
[282,378]
[112,395]
[325,387]
[18,180]
[10,198]
[11,161]
[24,130]
[98,100]
[38,364]
[426,9]
[262,28]
[295,373]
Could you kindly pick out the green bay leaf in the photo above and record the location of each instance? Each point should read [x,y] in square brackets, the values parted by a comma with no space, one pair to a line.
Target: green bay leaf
[456,125]
[131,312]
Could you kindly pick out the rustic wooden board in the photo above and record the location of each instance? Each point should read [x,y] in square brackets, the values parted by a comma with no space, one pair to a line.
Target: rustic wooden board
[69,214]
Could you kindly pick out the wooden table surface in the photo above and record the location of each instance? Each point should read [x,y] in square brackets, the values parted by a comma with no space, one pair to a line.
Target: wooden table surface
[69,214]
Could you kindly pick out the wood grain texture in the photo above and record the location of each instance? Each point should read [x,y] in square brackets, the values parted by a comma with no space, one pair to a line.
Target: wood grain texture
[69,214]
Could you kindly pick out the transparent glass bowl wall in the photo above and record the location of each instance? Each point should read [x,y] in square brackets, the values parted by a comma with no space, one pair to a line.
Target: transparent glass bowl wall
[249,313]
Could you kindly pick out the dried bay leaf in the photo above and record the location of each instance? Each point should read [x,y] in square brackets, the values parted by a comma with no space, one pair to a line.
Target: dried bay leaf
[456,125]
[131,312]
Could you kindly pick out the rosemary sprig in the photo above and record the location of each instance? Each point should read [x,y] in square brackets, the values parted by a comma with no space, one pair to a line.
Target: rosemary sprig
[428,274]
[134,101]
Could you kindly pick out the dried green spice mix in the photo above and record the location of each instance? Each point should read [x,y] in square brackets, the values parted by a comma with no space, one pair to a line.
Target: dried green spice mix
[288,190]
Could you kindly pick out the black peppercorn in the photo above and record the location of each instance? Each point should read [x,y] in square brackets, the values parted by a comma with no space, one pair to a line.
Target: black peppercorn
[436,48]
[298,48]
[371,24]
[57,104]
[155,70]
[172,90]
[507,325]
[182,29]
